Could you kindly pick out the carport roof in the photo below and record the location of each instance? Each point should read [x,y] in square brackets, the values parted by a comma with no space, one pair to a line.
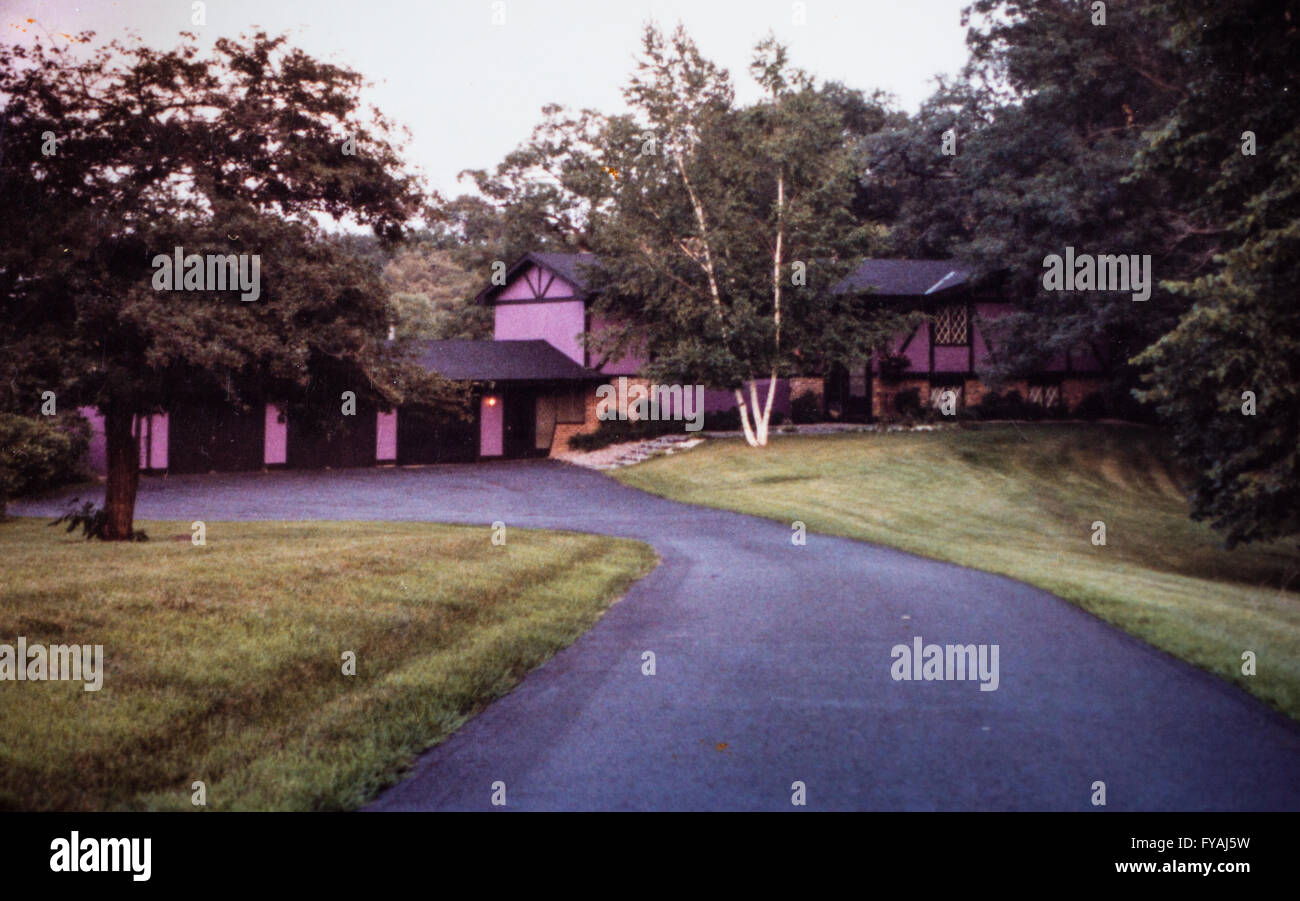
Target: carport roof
[500,361]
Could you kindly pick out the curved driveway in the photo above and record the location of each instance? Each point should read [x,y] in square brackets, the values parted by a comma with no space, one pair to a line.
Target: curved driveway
[773,666]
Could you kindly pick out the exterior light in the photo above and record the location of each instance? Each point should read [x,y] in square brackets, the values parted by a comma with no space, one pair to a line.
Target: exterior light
[491,401]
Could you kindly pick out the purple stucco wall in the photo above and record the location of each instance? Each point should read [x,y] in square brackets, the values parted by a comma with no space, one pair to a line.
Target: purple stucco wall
[627,365]
[275,443]
[491,427]
[558,321]
[918,351]
[153,440]
[154,456]
[386,435]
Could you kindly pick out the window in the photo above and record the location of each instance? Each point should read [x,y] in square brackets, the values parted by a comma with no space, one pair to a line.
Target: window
[571,406]
[1045,395]
[938,392]
[950,325]
[858,381]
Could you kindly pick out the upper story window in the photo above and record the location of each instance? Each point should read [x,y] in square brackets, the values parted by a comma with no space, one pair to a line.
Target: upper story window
[951,325]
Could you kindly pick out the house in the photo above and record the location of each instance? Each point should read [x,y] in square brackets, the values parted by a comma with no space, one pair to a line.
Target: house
[536,380]
[948,351]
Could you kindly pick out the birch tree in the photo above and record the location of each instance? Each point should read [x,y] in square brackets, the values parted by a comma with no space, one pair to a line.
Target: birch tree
[729,227]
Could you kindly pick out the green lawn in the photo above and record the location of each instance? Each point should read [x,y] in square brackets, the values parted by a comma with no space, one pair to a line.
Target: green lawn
[224,663]
[1020,500]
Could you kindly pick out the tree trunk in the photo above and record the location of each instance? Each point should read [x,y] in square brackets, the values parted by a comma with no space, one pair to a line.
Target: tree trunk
[756,435]
[750,438]
[123,475]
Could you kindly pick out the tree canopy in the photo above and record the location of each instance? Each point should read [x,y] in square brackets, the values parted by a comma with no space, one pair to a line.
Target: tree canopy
[111,160]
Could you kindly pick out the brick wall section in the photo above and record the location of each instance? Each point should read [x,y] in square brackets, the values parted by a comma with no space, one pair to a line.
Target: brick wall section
[1073,391]
[565,431]
[800,385]
[883,393]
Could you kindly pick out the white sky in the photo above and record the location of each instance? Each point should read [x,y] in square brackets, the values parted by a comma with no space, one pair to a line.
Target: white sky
[470,91]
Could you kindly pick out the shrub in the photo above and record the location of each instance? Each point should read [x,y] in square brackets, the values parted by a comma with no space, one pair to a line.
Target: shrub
[1092,407]
[92,520]
[723,420]
[1006,406]
[907,404]
[1013,406]
[729,420]
[39,453]
[1112,404]
[617,431]
[806,407]
[893,367]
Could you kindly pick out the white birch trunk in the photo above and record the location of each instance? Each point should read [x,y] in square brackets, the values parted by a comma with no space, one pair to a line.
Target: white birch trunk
[750,437]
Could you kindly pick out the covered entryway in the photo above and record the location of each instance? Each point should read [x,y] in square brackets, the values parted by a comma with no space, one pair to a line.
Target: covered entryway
[526,388]
[528,431]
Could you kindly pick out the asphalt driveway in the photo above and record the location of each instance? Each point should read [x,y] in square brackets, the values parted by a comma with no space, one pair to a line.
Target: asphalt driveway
[773,665]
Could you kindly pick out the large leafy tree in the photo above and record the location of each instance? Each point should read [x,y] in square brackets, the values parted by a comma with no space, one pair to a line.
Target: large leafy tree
[431,292]
[1242,333]
[109,159]
[729,226]
[1046,119]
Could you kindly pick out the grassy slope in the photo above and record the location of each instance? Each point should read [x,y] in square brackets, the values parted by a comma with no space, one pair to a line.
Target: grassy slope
[224,662]
[1020,500]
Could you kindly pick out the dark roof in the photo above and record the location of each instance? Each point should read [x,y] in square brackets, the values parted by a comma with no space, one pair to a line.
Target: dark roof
[499,361]
[568,266]
[884,278]
[904,278]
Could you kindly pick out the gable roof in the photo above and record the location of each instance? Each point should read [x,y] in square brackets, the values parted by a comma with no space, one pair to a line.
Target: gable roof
[882,277]
[904,278]
[499,361]
[572,267]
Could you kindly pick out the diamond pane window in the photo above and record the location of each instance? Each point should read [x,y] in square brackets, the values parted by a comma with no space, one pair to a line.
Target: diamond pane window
[950,326]
[937,393]
[1044,395]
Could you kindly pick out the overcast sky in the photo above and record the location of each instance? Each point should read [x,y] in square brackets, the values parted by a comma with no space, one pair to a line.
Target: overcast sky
[470,90]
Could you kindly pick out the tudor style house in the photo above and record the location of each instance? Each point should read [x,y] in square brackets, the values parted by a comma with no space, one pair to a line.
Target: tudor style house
[949,351]
[535,381]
